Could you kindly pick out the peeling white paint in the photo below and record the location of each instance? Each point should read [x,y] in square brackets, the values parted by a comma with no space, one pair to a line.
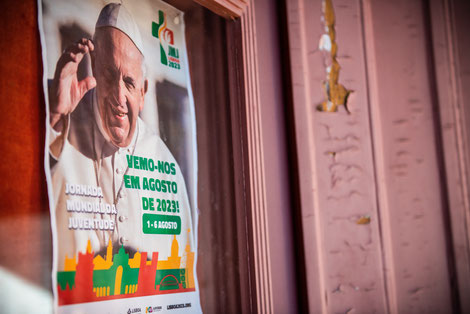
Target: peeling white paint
[325,43]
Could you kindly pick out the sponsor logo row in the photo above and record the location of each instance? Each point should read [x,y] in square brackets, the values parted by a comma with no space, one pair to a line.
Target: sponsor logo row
[153,309]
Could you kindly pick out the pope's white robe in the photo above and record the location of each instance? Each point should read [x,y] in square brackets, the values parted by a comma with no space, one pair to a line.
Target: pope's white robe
[81,155]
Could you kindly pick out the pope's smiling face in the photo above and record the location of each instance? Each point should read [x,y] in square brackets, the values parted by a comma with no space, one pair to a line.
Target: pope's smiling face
[120,85]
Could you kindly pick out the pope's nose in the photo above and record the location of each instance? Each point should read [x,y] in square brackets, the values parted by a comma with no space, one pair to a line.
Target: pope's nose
[120,93]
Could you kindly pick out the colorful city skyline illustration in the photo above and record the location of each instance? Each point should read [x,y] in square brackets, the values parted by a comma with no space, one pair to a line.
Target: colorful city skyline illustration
[119,276]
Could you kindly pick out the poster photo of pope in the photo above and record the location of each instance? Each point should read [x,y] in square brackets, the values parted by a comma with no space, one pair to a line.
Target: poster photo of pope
[120,149]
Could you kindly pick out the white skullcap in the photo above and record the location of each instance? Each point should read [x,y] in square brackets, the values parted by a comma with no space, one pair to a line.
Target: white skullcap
[116,15]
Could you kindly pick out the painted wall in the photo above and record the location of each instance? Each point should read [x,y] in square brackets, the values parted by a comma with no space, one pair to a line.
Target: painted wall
[375,204]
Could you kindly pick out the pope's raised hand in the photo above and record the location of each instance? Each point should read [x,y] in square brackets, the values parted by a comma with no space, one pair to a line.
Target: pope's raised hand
[66,91]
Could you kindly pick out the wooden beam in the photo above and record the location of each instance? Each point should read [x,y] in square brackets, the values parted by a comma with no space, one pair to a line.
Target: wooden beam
[229,9]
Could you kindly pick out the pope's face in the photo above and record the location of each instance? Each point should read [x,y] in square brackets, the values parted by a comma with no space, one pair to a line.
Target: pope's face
[120,86]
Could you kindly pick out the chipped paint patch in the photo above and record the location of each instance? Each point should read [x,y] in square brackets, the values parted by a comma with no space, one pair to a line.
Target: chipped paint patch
[335,93]
[364,220]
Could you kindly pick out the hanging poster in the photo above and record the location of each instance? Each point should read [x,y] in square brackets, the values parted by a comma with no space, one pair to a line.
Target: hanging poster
[120,157]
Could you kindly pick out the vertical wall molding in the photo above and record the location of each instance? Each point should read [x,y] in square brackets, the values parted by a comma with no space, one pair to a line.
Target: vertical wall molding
[454,132]
[248,149]
[316,293]
[256,167]
[380,168]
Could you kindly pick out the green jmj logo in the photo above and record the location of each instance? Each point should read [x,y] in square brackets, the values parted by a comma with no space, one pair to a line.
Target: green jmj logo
[169,54]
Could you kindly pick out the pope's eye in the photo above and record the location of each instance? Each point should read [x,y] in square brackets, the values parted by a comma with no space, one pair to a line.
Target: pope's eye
[130,83]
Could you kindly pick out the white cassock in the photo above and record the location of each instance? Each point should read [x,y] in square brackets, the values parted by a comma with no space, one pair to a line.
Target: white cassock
[82,156]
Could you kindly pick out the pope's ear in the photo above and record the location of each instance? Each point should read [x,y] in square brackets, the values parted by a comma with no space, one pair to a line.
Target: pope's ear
[144,91]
